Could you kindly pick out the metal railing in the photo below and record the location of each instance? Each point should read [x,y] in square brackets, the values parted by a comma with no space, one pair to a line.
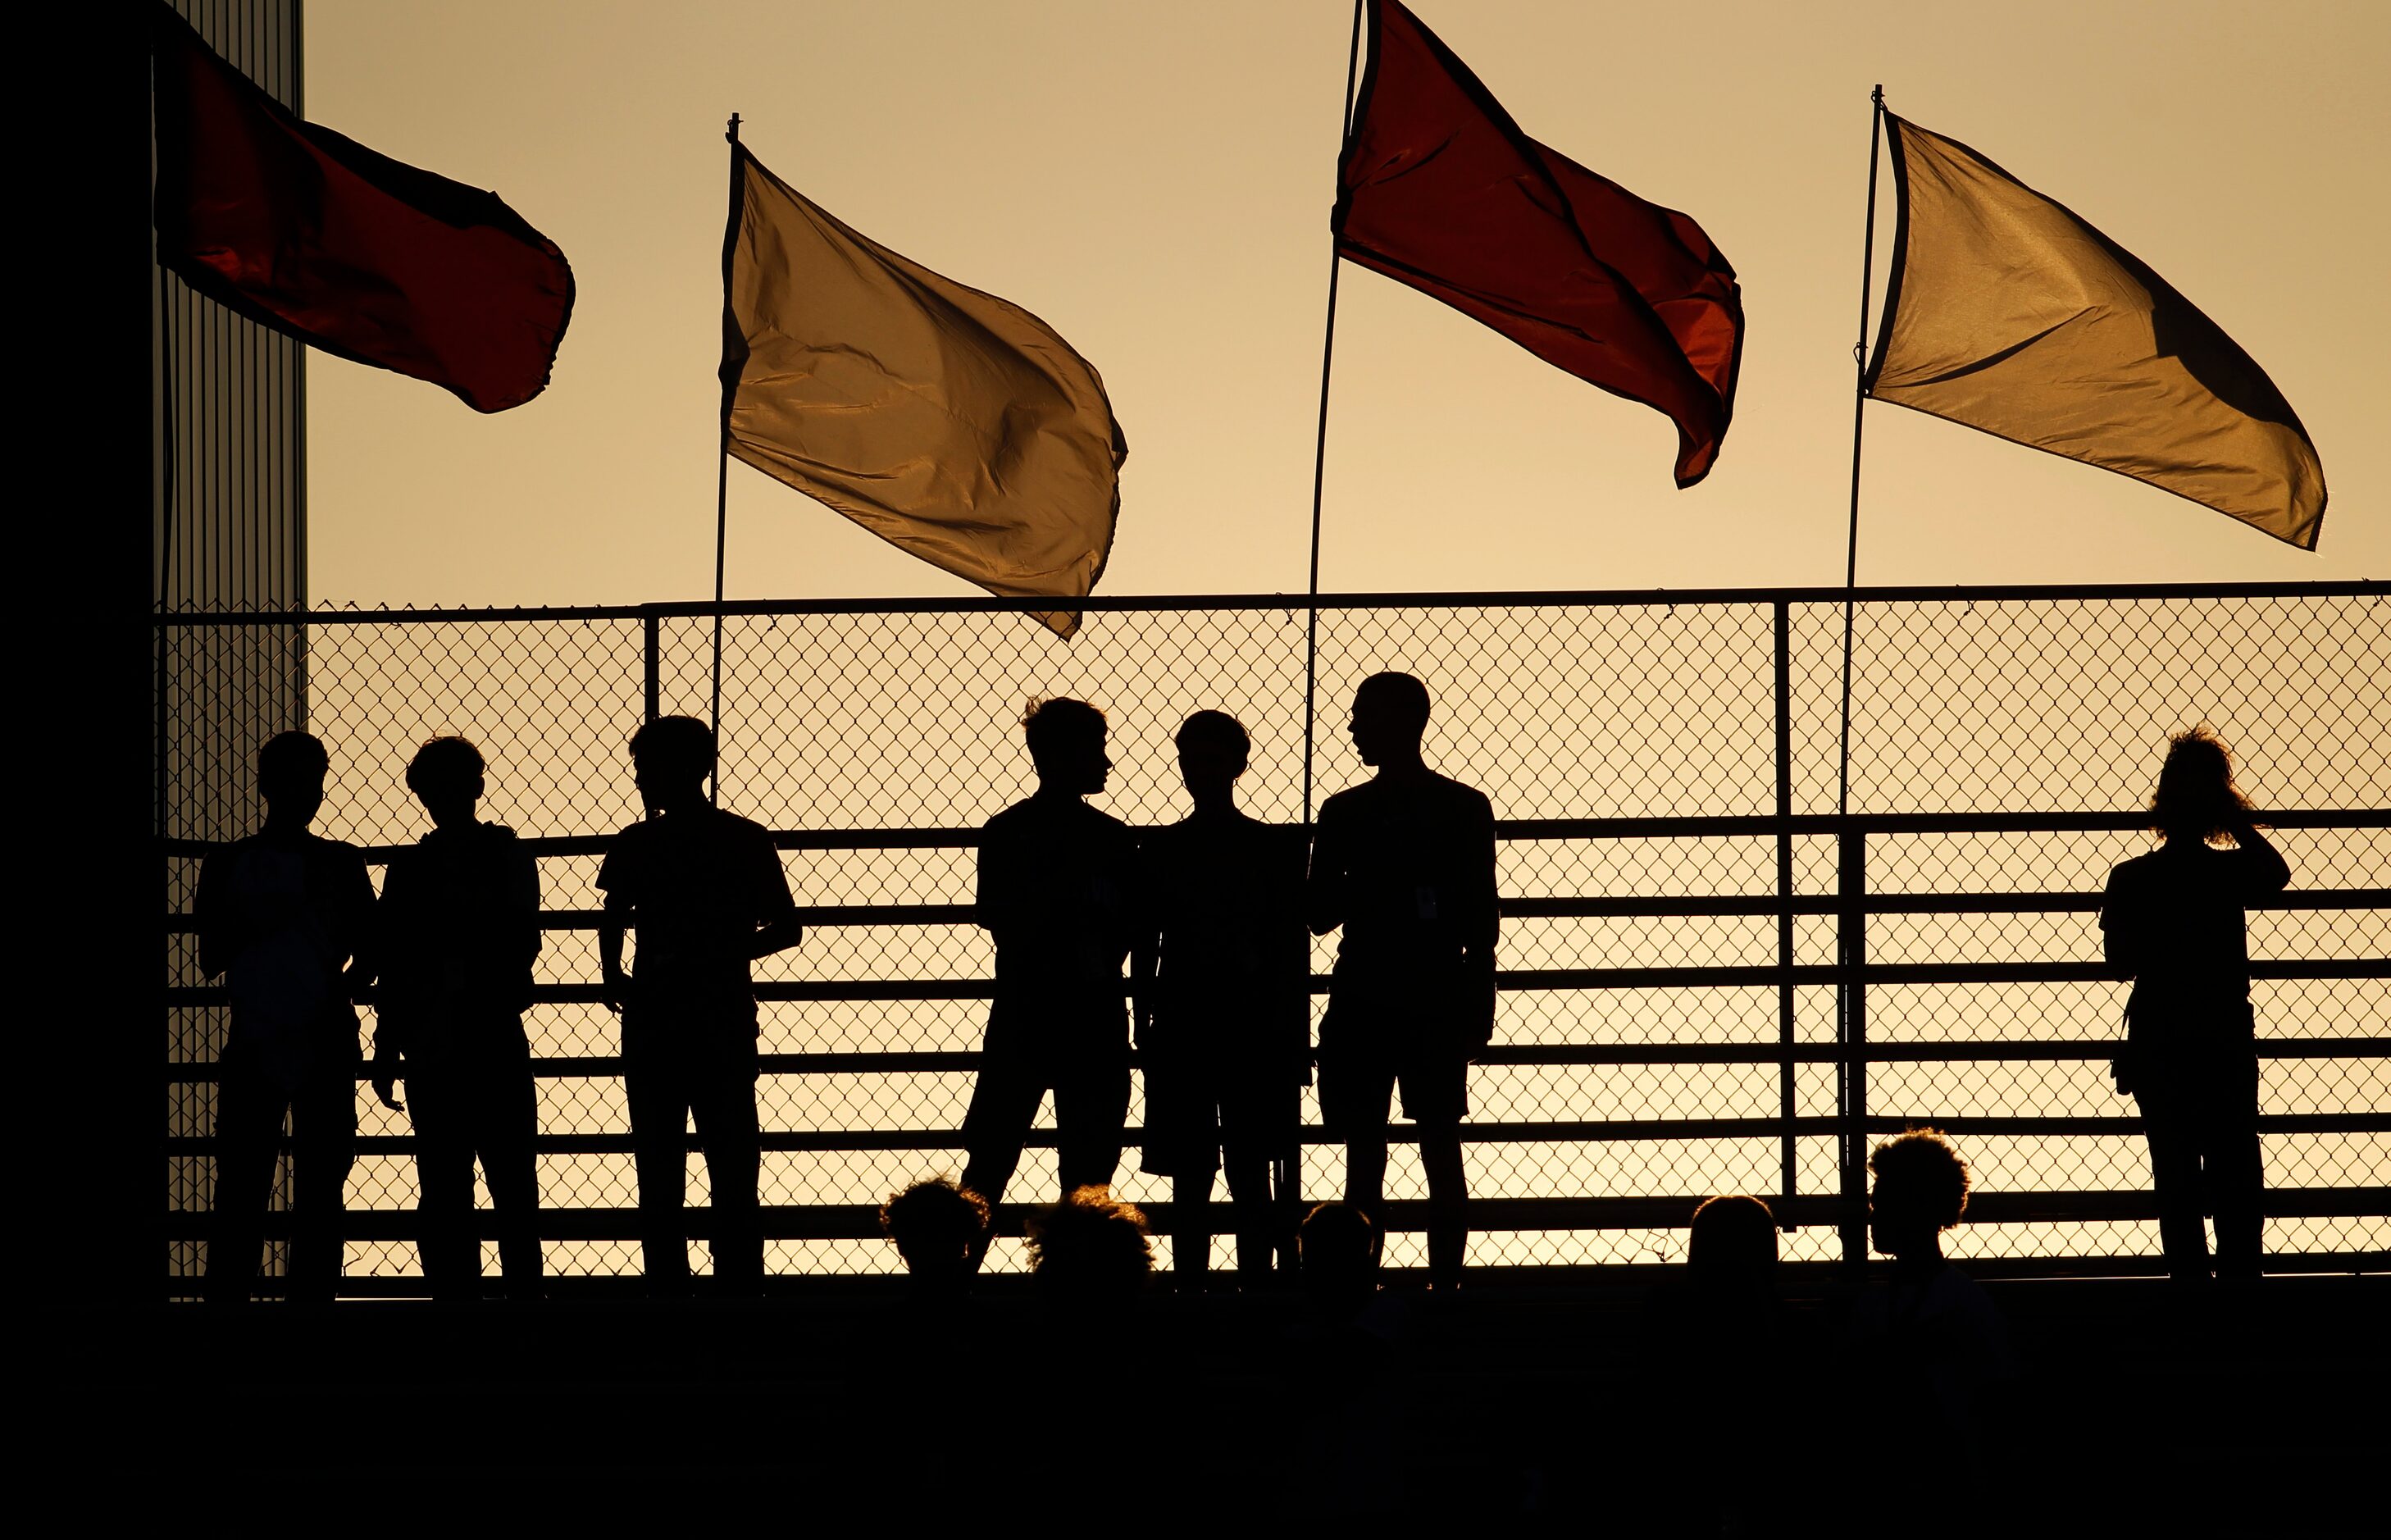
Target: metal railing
[1682,903]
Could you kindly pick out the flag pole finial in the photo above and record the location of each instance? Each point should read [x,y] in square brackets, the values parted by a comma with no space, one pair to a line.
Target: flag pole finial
[731,131]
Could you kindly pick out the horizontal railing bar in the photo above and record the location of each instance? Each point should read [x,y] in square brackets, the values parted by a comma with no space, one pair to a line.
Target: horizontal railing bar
[1691,826]
[2351,900]
[1646,1130]
[1095,603]
[1516,981]
[935,1061]
[861,1221]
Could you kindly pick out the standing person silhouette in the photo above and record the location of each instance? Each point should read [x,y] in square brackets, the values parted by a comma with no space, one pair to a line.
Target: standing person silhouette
[287,918]
[1404,863]
[1059,895]
[704,890]
[2173,921]
[461,928]
[1225,1031]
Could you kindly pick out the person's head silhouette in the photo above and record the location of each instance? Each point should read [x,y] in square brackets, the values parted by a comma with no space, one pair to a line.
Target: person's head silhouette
[290,770]
[670,759]
[936,1227]
[1066,743]
[1090,1247]
[1214,751]
[1733,1243]
[2196,800]
[1390,715]
[446,776]
[1338,1247]
[1922,1190]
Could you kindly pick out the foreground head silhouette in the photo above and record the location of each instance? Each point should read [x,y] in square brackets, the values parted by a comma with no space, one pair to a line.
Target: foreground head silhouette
[1920,1191]
[939,1228]
[1339,1248]
[290,771]
[1733,1242]
[1090,1248]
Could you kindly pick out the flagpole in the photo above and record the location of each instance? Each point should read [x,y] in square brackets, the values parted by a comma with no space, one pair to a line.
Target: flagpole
[1850,580]
[1320,444]
[722,467]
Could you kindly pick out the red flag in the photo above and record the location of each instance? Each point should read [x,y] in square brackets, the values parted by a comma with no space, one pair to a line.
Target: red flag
[1440,189]
[308,232]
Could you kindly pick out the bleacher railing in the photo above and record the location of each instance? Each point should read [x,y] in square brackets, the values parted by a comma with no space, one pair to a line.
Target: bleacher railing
[1683,903]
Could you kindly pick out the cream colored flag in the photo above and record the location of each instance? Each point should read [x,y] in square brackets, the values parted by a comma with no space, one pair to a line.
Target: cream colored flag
[2011,315]
[952,424]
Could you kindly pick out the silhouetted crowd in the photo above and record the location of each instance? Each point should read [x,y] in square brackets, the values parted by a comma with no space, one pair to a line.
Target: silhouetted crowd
[1188,945]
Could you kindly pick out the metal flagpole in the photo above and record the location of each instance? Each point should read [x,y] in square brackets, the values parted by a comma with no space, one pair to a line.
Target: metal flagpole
[1859,420]
[722,456]
[1320,444]
[1847,854]
[1285,1175]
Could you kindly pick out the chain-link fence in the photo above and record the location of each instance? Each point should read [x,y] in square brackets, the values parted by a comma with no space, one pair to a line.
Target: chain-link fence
[1676,883]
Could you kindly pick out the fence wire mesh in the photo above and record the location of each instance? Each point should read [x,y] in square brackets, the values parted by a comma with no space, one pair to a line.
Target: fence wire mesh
[1640,752]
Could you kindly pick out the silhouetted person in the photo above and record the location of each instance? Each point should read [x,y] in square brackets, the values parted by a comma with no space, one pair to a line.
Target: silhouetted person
[2173,921]
[1405,863]
[1928,1341]
[1058,894]
[1339,1249]
[1358,1425]
[1225,1029]
[705,891]
[939,1229]
[288,919]
[461,928]
[1089,1249]
[1714,1353]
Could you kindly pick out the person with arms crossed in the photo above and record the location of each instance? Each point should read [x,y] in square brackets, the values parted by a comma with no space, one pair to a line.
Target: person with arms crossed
[704,892]
[1404,864]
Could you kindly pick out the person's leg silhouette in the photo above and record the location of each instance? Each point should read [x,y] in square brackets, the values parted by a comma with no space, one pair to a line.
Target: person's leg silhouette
[2235,1167]
[248,1138]
[723,1103]
[323,1151]
[655,1089]
[439,1107]
[1090,1109]
[506,1133]
[2176,1180]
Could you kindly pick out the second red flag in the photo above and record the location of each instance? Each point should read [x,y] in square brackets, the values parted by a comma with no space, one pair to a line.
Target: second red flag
[1440,189]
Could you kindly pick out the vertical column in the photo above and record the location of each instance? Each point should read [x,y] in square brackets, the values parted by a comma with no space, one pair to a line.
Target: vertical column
[1787,1179]
[1851,938]
[652,663]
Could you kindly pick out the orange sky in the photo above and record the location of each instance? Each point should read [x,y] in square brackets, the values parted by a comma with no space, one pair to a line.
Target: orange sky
[1155,182]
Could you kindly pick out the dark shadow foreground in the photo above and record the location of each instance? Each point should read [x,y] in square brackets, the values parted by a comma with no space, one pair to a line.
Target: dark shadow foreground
[1520,1407]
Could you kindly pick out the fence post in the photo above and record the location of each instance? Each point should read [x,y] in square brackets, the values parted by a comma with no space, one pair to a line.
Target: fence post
[1851,946]
[1788,1176]
[651,662]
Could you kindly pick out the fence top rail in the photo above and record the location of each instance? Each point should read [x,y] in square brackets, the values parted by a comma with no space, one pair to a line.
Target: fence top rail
[1755,825]
[1542,599]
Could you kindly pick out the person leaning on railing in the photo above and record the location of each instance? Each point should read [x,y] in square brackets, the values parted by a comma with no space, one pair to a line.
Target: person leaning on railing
[2174,922]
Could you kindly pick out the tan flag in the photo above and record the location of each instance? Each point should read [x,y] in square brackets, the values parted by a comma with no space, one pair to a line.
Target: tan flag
[947,422]
[2011,315]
